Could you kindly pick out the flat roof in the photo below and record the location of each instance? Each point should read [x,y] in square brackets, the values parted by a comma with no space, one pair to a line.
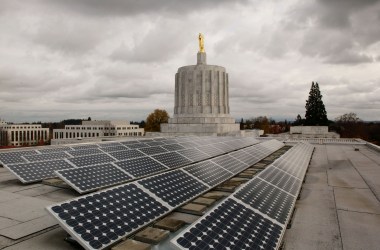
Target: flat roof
[339,205]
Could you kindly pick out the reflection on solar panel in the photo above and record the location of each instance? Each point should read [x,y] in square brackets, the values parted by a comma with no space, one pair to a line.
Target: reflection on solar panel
[86,179]
[224,147]
[37,171]
[231,164]
[194,154]
[129,142]
[231,226]
[88,160]
[208,172]
[98,220]
[174,187]
[141,166]
[153,150]
[127,154]
[154,143]
[210,150]
[46,157]
[170,141]
[172,159]
[14,156]
[83,152]
[188,144]
[241,155]
[282,180]
[267,199]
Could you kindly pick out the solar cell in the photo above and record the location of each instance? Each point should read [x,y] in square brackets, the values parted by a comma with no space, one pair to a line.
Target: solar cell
[174,187]
[172,159]
[114,148]
[127,154]
[194,154]
[267,198]
[129,142]
[208,172]
[223,146]
[153,150]
[83,152]
[101,219]
[37,171]
[86,179]
[53,150]
[230,226]
[173,147]
[88,160]
[281,179]
[230,163]
[137,145]
[141,166]
[84,146]
[109,144]
[154,143]
[46,157]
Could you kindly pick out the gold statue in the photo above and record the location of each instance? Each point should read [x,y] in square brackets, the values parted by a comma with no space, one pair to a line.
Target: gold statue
[201,43]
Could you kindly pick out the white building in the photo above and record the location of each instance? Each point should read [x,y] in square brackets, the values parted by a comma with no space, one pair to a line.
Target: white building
[93,129]
[22,134]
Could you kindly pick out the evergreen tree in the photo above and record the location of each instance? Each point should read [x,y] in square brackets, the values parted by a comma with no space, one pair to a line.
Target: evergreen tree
[315,109]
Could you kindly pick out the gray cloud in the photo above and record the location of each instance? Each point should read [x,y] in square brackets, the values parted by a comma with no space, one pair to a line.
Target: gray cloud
[117,59]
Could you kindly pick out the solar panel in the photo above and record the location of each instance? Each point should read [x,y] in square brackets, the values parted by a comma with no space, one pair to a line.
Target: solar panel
[173,147]
[141,166]
[170,141]
[83,152]
[86,179]
[230,226]
[98,220]
[130,142]
[174,187]
[88,160]
[154,143]
[153,150]
[223,146]
[46,157]
[231,164]
[172,159]
[37,171]
[243,156]
[109,144]
[281,179]
[14,156]
[84,146]
[53,150]
[127,154]
[114,148]
[210,150]
[188,144]
[208,172]
[194,154]
[137,145]
[267,198]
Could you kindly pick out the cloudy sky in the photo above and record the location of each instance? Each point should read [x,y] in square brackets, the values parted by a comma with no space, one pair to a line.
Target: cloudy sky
[116,59]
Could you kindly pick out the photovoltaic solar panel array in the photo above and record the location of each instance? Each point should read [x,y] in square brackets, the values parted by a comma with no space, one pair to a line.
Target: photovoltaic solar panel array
[100,219]
[256,215]
[166,153]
